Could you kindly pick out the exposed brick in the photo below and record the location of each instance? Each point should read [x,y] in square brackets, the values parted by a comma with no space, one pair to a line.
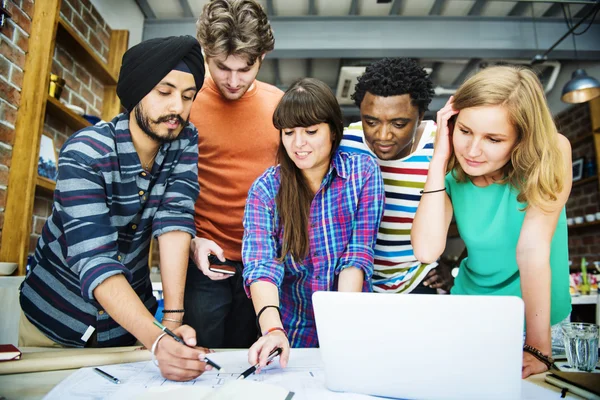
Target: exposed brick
[22,40]
[10,93]
[87,95]
[93,111]
[33,239]
[66,94]
[96,44]
[60,140]
[89,19]
[86,4]
[97,88]
[8,30]
[12,53]
[96,14]
[28,7]
[55,124]
[2,198]
[8,113]
[7,134]
[66,10]
[41,207]
[16,77]
[78,101]
[63,58]
[38,225]
[75,5]
[98,103]
[4,68]
[104,53]
[83,75]
[56,68]
[19,17]
[104,38]
[79,25]
[73,83]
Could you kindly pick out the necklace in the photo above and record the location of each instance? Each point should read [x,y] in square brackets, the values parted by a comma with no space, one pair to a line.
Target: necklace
[148,165]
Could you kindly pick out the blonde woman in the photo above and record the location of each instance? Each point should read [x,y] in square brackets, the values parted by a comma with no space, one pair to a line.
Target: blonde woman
[504,172]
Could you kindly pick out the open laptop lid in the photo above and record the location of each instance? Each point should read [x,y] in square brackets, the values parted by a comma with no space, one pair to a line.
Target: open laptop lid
[421,346]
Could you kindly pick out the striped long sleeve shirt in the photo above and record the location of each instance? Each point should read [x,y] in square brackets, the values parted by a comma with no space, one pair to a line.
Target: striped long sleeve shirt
[106,208]
[343,221]
[397,270]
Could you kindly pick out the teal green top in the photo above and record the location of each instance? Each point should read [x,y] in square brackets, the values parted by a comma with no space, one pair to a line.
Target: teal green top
[489,220]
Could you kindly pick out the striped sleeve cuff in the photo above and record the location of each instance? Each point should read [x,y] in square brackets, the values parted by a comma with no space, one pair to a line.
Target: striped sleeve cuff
[166,221]
[97,271]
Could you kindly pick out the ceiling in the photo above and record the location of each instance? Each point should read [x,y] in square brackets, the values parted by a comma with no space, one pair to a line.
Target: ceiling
[451,38]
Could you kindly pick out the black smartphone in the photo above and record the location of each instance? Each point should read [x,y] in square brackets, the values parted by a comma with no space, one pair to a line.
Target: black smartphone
[217,266]
[222,269]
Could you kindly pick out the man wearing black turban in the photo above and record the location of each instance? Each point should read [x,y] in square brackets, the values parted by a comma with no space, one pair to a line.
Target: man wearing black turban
[120,183]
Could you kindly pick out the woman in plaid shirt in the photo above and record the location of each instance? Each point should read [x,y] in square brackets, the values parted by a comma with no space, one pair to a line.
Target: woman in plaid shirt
[310,222]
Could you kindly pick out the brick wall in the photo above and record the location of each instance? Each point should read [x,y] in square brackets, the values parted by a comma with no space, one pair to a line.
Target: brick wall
[14,42]
[575,123]
[81,88]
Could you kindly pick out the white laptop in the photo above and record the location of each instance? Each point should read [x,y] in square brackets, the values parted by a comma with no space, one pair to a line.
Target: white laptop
[421,346]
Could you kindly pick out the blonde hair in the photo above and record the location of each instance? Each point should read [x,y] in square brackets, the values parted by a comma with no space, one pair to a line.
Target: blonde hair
[535,168]
[235,27]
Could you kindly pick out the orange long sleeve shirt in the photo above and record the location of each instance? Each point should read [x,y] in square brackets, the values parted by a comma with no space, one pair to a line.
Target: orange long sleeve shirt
[237,142]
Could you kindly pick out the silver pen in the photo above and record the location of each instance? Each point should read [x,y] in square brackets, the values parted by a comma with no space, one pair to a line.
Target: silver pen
[107,376]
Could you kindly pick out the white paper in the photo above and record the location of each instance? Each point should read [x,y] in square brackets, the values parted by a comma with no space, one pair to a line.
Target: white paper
[304,376]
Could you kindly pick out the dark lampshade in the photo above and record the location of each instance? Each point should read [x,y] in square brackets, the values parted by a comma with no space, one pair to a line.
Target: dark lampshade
[580,88]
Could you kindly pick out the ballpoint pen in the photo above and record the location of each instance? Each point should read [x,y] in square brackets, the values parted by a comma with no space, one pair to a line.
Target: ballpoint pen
[180,340]
[107,376]
[253,368]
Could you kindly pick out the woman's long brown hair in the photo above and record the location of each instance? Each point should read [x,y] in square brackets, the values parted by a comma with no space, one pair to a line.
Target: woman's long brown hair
[306,103]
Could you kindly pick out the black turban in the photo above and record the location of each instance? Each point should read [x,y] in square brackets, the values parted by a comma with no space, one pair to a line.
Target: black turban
[147,63]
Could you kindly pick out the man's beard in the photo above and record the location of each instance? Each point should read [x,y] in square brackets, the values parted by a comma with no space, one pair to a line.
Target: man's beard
[144,122]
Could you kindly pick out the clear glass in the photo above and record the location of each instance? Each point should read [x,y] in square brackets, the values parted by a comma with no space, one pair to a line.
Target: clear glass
[581,345]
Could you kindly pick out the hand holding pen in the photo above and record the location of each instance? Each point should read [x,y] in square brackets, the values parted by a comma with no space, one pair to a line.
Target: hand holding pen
[178,339]
[177,362]
[263,348]
[253,368]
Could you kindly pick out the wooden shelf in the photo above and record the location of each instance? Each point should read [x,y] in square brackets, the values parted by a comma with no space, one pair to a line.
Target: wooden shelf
[77,47]
[582,139]
[61,111]
[585,225]
[586,180]
[45,185]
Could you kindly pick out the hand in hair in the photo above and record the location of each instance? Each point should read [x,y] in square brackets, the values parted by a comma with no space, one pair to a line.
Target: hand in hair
[443,141]
[200,249]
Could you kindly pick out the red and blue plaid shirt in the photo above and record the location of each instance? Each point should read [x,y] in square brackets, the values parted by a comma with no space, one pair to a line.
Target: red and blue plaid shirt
[343,222]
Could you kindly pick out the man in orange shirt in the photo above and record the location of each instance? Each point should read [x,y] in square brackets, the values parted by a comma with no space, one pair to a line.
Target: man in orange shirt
[237,142]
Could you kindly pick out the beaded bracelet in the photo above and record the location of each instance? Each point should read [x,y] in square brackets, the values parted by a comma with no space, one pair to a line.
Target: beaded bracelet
[547,360]
[276,328]
[173,311]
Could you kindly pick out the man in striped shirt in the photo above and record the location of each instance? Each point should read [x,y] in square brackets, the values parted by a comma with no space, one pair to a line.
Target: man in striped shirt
[119,183]
[393,95]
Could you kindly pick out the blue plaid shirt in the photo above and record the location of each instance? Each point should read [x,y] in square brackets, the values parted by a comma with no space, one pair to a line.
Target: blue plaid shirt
[106,208]
[343,221]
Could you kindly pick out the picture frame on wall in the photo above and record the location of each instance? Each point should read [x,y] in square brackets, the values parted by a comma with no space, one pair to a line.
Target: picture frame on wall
[578,169]
[48,159]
